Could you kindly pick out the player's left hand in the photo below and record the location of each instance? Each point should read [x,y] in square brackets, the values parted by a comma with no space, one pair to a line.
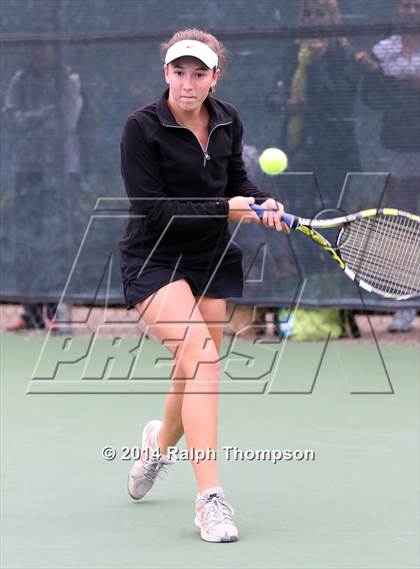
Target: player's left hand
[272,217]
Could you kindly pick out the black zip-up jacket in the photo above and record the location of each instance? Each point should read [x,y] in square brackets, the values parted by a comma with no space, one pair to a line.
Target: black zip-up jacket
[179,190]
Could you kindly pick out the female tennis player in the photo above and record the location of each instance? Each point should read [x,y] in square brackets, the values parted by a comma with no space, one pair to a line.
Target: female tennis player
[184,174]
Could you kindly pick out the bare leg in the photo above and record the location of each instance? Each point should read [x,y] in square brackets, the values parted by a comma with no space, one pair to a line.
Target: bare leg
[172,428]
[177,321]
[200,405]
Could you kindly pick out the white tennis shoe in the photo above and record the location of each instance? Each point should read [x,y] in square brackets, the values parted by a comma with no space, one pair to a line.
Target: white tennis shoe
[144,471]
[214,517]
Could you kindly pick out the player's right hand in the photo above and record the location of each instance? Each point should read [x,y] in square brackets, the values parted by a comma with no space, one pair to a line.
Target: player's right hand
[240,212]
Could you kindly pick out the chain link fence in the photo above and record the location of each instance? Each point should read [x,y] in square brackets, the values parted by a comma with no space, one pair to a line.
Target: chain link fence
[337,89]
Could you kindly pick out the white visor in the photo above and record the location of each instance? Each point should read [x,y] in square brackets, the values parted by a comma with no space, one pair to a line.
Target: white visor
[192,48]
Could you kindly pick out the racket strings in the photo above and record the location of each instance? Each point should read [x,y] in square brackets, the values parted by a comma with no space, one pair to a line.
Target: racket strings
[384,258]
[384,251]
[389,256]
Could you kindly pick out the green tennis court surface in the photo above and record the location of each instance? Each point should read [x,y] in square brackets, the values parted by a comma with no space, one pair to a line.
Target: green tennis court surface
[354,506]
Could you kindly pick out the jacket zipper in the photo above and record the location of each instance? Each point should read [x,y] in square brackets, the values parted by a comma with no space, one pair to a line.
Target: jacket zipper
[205,153]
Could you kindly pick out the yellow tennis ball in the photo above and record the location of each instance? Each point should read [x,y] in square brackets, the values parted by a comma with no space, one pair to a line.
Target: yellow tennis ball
[273,161]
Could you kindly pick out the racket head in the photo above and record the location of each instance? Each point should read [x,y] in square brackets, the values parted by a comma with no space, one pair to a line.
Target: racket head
[377,248]
[380,250]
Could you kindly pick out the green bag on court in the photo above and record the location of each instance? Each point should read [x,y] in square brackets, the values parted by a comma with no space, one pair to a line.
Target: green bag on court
[305,324]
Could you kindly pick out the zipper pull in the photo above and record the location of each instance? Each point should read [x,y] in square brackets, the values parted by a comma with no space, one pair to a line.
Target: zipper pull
[206,157]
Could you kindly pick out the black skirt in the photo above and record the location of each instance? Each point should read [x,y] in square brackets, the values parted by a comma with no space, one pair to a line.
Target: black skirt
[216,278]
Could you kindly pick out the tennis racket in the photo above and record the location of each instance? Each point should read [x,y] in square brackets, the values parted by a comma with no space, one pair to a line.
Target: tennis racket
[377,248]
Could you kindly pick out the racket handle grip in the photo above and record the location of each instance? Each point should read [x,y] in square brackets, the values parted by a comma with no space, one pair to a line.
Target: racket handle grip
[287,217]
[290,220]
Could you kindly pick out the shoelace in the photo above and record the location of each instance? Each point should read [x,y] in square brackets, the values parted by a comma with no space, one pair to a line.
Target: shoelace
[151,469]
[217,510]
[163,469]
[154,467]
